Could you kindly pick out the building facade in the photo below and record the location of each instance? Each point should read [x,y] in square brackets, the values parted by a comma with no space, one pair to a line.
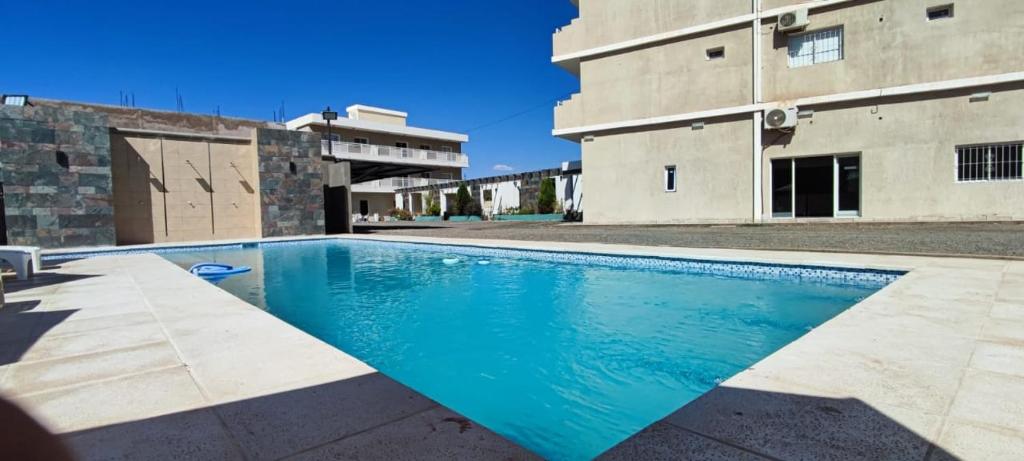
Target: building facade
[379,142]
[76,175]
[736,111]
[502,195]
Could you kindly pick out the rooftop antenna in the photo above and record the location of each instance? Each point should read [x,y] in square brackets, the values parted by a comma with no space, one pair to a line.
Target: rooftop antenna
[179,100]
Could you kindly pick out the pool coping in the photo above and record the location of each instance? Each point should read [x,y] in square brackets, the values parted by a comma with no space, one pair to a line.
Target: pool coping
[969,292]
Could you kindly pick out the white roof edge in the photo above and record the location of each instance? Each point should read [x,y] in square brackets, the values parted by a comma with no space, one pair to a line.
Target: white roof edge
[916,88]
[367,125]
[377,110]
[693,30]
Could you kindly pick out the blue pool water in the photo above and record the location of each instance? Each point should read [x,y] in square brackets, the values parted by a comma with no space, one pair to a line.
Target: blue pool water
[566,357]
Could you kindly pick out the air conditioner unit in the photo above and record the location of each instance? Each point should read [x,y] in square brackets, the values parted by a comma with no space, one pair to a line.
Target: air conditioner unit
[780,119]
[794,20]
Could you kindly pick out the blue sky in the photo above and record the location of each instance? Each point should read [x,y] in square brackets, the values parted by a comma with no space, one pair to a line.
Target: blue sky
[452,64]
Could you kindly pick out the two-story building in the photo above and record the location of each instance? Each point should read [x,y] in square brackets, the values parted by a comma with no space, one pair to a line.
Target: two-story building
[715,111]
[378,142]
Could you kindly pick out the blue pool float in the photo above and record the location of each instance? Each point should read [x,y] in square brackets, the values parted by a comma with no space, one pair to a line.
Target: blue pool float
[216,272]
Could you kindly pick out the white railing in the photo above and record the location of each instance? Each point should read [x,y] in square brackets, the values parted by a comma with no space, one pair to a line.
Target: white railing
[401,183]
[342,149]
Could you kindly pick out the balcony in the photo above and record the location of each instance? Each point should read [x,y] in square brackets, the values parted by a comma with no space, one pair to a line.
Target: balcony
[569,113]
[568,38]
[390,185]
[388,154]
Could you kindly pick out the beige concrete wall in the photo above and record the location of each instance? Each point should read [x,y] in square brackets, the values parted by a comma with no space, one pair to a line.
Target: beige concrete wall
[207,190]
[236,201]
[137,170]
[669,79]
[624,177]
[603,22]
[381,118]
[379,203]
[907,153]
[890,43]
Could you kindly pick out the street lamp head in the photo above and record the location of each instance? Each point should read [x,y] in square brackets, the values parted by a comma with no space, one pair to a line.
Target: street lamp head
[329,114]
[14,100]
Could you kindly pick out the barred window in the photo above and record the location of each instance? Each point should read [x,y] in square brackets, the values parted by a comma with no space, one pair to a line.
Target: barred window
[816,47]
[991,162]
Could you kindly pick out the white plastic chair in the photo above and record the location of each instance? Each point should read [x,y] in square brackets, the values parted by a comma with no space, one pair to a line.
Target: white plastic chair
[24,259]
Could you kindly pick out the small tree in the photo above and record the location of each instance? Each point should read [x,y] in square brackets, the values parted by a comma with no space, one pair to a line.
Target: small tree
[462,200]
[546,200]
[474,209]
[433,205]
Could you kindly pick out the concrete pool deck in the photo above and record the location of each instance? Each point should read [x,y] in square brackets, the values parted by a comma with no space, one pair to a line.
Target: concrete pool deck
[129,356]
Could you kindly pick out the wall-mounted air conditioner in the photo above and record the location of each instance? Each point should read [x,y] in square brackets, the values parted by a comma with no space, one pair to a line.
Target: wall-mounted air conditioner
[794,20]
[781,119]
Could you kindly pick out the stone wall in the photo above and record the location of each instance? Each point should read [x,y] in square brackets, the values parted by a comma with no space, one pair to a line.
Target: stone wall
[291,182]
[56,175]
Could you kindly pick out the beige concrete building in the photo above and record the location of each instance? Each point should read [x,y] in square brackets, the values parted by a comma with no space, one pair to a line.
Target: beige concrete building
[735,111]
[378,142]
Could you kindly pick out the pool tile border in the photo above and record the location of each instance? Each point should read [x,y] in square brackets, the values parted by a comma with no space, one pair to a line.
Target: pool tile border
[874,278]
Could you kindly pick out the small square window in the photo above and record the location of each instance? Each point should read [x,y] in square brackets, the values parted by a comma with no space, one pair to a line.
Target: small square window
[940,12]
[715,53]
[670,178]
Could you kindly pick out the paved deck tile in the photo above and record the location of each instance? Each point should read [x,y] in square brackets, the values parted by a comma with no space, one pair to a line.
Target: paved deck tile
[128,356]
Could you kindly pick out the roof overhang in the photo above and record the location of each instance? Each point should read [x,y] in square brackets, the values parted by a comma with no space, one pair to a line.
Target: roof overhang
[376,110]
[377,127]
[363,171]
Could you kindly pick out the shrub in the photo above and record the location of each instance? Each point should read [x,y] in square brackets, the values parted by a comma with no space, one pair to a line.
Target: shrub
[474,209]
[400,214]
[433,205]
[526,209]
[546,199]
[462,200]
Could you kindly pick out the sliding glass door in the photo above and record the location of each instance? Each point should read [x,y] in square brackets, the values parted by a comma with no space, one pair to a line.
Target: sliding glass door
[816,187]
[848,186]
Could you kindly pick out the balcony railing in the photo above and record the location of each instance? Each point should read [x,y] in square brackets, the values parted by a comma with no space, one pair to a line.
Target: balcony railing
[569,113]
[372,151]
[400,183]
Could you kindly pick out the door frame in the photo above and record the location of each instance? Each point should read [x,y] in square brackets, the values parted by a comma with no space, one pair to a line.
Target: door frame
[836,212]
[3,217]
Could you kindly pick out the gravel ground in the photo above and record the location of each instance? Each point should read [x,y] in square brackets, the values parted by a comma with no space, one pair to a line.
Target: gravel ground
[1002,240]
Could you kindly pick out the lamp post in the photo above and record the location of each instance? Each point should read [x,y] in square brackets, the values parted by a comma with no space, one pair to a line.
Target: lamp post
[329,115]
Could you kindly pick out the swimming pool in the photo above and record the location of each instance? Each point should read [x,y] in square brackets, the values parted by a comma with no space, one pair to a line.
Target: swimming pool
[566,354]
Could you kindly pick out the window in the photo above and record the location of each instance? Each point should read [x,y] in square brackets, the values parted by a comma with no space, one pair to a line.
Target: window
[360,141]
[940,12]
[816,187]
[670,178]
[992,162]
[446,148]
[816,47]
[424,146]
[488,195]
[715,53]
[402,145]
[334,137]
